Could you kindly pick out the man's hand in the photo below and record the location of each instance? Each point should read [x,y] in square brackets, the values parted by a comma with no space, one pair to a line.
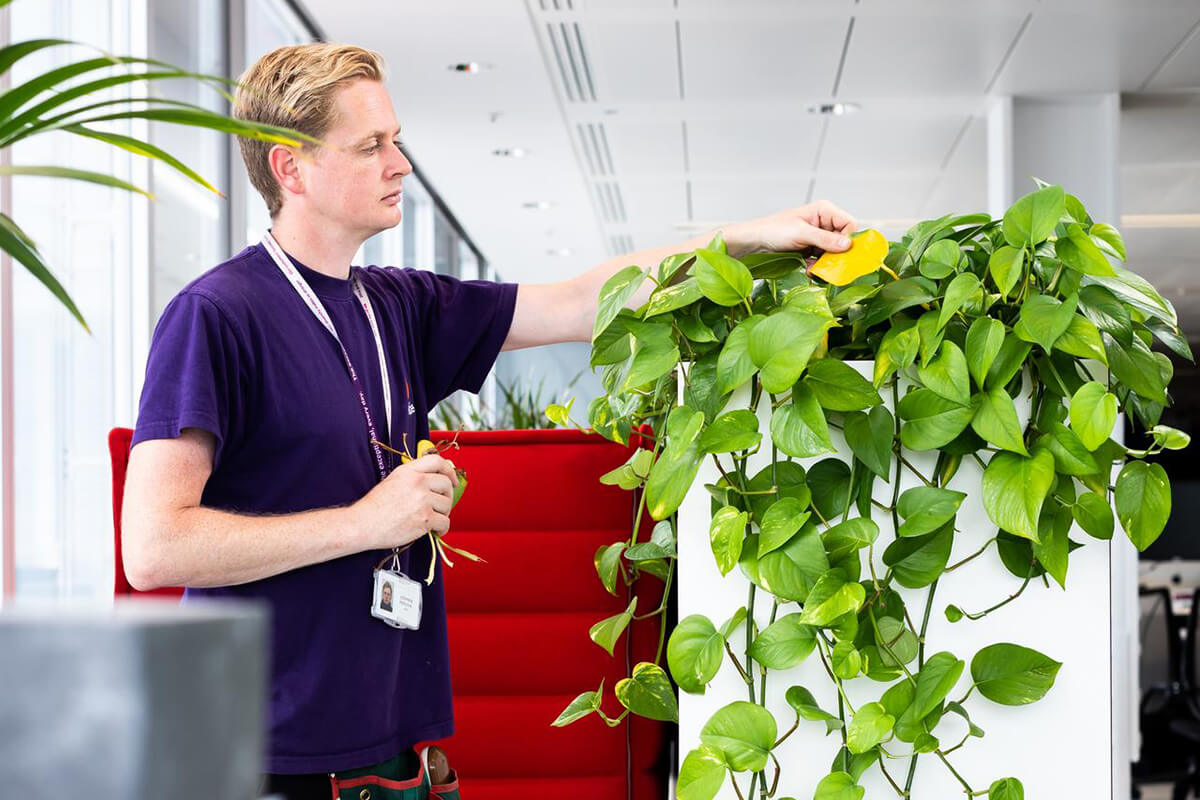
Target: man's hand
[820,224]
[414,499]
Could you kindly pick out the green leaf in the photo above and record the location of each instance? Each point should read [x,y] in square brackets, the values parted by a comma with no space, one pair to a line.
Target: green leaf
[927,508]
[17,244]
[845,661]
[1005,266]
[1106,312]
[784,643]
[141,148]
[781,522]
[700,389]
[1013,675]
[947,375]
[694,653]
[1014,488]
[1170,335]
[671,298]
[654,353]
[1093,513]
[996,420]
[790,572]
[726,534]
[74,174]
[606,632]
[940,259]
[931,421]
[931,335]
[1136,368]
[608,563]
[734,366]
[613,345]
[786,478]
[661,544]
[925,743]
[1081,338]
[733,430]
[1143,499]
[805,705]
[579,708]
[1108,238]
[935,680]
[1136,291]
[743,733]
[798,428]
[1071,457]
[870,437]
[1053,546]
[917,561]
[831,597]
[723,279]
[1008,362]
[829,480]
[846,538]
[973,729]
[1031,219]
[648,693]
[772,266]
[1044,318]
[691,326]
[1006,789]
[897,350]
[782,344]
[1081,254]
[701,775]
[897,644]
[838,786]
[957,294]
[677,465]
[1169,438]
[897,296]
[840,387]
[615,293]
[731,624]
[870,726]
[1093,414]
[985,337]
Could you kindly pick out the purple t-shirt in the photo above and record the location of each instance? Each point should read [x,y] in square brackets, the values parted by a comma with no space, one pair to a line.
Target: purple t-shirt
[239,354]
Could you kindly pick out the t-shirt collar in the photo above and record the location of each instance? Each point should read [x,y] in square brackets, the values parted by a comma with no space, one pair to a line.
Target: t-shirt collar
[326,287]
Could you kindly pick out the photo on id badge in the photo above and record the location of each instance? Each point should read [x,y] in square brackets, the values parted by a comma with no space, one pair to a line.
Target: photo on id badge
[396,600]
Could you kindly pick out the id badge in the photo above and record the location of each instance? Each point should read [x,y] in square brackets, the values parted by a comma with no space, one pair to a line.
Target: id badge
[397,599]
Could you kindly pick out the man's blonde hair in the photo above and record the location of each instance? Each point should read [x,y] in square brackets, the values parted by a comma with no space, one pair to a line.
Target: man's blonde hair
[294,87]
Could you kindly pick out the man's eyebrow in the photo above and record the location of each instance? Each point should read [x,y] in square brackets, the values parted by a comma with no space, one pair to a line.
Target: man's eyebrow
[370,137]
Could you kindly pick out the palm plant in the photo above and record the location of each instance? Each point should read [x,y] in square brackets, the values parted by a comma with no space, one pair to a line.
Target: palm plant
[70,99]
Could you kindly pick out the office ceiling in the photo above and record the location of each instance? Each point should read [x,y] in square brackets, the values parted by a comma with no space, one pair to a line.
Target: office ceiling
[646,121]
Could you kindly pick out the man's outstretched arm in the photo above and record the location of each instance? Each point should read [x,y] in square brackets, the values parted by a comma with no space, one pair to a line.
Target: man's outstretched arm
[566,311]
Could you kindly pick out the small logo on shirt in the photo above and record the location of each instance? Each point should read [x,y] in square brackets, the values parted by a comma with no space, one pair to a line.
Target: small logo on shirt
[412,409]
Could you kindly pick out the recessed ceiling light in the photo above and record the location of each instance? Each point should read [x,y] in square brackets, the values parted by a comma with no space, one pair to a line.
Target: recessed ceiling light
[510,152]
[469,67]
[537,204]
[834,109]
[559,251]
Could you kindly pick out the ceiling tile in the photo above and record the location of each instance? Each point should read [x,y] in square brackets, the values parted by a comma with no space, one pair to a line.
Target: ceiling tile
[762,58]
[870,197]
[962,186]
[654,201]
[632,61]
[1182,71]
[867,142]
[765,149]
[927,48]
[645,148]
[1161,189]
[720,200]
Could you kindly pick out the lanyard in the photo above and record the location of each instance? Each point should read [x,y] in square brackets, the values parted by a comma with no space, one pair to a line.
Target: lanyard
[318,310]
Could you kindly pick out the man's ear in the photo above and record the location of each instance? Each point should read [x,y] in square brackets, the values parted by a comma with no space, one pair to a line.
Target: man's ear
[285,165]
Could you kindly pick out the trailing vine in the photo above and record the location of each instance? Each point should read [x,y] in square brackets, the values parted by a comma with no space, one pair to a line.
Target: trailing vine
[1010,342]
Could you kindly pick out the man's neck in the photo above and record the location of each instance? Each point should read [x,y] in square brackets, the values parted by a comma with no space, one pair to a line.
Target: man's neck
[318,246]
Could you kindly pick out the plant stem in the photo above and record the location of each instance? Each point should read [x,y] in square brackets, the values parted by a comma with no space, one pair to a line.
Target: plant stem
[976,554]
[1002,603]
[662,623]
[738,664]
[954,772]
[913,469]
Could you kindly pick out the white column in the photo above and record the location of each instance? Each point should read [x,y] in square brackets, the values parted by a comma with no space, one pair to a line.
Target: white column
[1072,140]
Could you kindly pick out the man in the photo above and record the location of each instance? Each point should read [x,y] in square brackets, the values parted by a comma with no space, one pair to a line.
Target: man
[253,474]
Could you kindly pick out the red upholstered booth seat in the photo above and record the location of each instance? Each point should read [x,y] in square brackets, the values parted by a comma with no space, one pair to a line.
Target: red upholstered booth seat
[118,451]
[519,648]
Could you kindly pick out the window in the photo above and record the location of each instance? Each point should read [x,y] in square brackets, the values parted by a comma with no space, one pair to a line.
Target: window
[69,388]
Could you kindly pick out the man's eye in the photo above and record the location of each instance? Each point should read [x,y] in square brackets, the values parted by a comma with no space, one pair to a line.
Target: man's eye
[399,144]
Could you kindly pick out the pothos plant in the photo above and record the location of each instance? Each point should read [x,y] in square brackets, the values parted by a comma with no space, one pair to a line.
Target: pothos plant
[967,319]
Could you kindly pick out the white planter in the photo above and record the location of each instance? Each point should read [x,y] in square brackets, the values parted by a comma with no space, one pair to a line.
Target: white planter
[1059,747]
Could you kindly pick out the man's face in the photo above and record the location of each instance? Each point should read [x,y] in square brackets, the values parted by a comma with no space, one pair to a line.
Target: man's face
[387,593]
[354,180]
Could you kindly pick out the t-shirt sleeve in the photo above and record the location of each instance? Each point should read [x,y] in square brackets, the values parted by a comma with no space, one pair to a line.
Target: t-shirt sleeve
[192,373]
[463,325]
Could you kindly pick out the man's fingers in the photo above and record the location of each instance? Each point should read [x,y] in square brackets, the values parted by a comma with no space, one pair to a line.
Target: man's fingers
[440,484]
[832,218]
[441,504]
[829,240]
[440,523]
[434,463]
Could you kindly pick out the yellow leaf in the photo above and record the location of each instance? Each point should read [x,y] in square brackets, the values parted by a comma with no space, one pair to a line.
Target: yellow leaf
[425,447]
[867,250]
